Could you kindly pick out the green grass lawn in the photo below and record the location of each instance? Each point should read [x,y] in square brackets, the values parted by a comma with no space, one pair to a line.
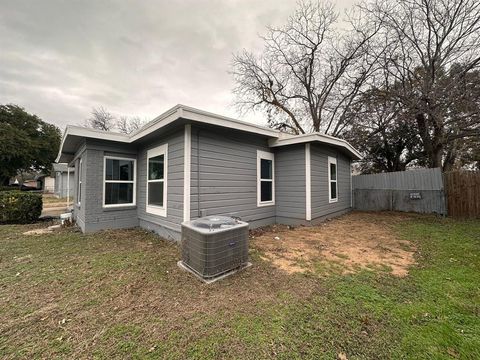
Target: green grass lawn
[119,294]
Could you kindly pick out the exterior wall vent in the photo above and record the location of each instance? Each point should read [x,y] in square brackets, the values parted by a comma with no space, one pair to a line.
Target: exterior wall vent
[214,245]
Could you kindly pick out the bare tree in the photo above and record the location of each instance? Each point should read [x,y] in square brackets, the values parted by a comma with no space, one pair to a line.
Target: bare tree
[127,125]
[101,119]
[431,55]
[309,72]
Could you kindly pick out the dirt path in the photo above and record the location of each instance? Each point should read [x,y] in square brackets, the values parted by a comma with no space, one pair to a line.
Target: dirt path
[347,244]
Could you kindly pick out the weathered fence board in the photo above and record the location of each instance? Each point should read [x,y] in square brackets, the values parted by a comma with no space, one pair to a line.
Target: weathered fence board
[412,191]
[463,193]
[420,179]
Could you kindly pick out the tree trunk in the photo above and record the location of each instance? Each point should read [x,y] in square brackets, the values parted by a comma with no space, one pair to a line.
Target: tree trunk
[450,158]
[436,157]
[432,144]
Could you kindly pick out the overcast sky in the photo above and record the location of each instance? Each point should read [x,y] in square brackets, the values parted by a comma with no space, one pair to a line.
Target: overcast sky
[58,59]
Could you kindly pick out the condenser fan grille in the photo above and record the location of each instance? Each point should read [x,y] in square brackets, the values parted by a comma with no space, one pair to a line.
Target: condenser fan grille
[214,222]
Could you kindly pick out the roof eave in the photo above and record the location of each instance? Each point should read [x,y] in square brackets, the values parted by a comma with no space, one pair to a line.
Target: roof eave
[316,137]
[77,131]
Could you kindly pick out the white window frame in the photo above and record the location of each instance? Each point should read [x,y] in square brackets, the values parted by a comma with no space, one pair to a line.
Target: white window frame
[134,181]
[266,156]
[332,160]
[155,209]
[79,183]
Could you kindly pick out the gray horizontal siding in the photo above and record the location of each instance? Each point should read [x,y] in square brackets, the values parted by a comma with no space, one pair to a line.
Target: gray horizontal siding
[290,182]
[319,175]
[175,184]
[224,175]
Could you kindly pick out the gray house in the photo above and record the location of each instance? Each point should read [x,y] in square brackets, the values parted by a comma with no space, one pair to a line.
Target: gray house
[188,163]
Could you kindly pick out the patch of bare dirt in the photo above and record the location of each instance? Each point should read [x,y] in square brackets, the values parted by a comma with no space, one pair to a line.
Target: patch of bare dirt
[349,243]
[42,231]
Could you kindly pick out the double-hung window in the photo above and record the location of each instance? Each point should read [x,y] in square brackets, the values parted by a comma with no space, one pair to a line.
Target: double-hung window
[79,184]
[157,180]
[332,180]
[119,181]
[265,178]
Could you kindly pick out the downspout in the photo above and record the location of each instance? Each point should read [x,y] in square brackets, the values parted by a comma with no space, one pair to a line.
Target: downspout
[351,186]
[187,171]
[308,184]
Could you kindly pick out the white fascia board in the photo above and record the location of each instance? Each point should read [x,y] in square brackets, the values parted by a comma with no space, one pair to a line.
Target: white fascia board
[182,111]
[59,155]
[97,134]
[79,131]
[213,119]
[326,139]
[160,121]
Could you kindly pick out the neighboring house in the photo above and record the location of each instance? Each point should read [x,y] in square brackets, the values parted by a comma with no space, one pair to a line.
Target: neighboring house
[64,180]
[34,184]
[45,183]
[188,163]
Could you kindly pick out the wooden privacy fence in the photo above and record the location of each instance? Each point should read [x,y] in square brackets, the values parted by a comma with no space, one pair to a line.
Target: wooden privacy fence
[463,193]
[414,191]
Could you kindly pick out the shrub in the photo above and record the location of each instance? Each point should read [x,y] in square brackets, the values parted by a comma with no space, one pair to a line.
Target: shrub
[20,207]
[7,188]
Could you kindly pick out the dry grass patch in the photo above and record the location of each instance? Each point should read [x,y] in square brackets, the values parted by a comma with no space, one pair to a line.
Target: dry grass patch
[349,243]
[119,294]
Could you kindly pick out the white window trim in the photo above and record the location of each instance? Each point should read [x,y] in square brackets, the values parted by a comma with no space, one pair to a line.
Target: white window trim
[134,182]
[332,160]
[79,183]
[266,156]
[154,209]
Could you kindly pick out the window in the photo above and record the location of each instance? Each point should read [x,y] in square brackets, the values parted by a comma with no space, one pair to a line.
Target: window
[79,186]
[332,180]
[119,177]
[265,179]
[157,180]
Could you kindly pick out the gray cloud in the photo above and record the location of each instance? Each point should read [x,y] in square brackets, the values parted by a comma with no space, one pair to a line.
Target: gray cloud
[59,59]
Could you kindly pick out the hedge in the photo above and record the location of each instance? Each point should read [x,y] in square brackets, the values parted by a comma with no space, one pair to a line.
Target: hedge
[8,188]
[20,207]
